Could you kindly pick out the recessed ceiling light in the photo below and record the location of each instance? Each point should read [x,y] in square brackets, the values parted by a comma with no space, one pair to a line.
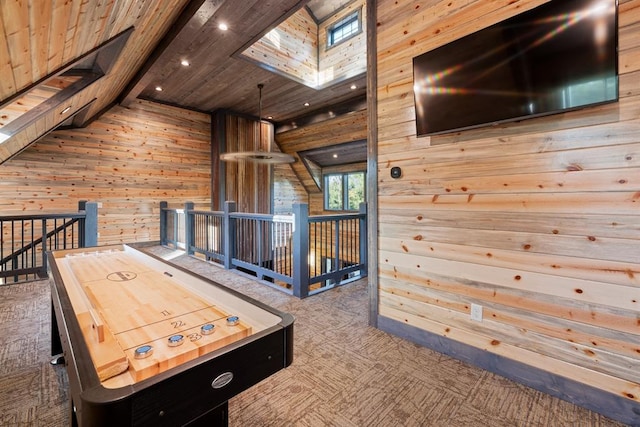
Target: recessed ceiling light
[223,26]
[353,87]
[185,63]
[335,156]
[306,104]
[270,117]
[159,88]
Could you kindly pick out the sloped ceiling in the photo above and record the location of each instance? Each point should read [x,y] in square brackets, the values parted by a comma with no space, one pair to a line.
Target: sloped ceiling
[41,38]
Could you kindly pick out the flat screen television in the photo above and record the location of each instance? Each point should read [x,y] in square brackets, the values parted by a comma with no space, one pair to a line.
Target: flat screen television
[559,56]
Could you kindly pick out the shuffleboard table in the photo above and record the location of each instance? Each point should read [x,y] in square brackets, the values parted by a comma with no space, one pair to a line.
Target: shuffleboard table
[147,343]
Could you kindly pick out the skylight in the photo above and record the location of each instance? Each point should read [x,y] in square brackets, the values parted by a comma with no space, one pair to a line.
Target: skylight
[311,53]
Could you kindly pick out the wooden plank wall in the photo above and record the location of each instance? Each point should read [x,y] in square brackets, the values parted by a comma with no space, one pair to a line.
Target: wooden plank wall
[247,183]
[345,128]
[298,49]
[128,160]
[291,48]
[537,221]
[287,190]
[347,59]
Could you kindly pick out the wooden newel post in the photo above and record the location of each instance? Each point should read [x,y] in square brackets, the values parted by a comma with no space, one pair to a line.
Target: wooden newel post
[189,228]
[364,271]
[163,223]
[229,234]
[301,250]
[90,232]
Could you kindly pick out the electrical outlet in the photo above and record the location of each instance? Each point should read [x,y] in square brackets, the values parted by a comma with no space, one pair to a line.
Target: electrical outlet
[476,312]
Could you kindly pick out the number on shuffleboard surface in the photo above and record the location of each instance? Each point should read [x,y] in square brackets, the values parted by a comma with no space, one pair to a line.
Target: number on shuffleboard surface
[165,313]
[178,324]
[194,336]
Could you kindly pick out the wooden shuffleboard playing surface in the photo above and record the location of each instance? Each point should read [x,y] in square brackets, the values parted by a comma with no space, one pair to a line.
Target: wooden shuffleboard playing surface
[123,304]
[148,343]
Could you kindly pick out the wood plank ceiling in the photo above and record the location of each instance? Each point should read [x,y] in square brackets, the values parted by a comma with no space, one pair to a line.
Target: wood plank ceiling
[217,79]
[40,39]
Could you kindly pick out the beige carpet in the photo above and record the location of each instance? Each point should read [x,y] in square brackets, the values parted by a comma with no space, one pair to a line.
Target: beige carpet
[344,373]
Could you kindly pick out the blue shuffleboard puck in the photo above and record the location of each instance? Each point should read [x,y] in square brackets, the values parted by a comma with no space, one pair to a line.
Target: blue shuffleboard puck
[207,329]
[143,351]
[233,320]
[175,340]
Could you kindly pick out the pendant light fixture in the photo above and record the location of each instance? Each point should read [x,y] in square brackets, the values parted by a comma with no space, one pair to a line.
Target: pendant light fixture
[259,156]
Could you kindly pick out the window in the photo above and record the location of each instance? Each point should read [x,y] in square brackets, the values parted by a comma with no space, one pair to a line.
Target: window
[344,191]
[344,29]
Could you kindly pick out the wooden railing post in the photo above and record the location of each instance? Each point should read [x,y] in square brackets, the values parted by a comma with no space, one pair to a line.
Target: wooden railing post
[163,223]
[301,250]
[82,204]
[229,236]
[90,224]
[363,240]
[189,228]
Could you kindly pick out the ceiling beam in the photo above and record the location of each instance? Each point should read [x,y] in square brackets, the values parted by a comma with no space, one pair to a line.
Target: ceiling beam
[144,76]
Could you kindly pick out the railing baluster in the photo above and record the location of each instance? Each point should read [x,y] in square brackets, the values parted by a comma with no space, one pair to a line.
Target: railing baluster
[329,241]
[32,250]
[22,237]
[2,267]
[13,243]
[259,243]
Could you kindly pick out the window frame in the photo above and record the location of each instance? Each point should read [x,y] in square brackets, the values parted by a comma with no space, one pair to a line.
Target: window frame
[344,189]
[347,20]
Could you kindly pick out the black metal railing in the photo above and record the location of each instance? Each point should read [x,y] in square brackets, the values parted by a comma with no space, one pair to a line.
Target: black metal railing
[335,243]
[299,254]
[25,239]
[207,229]
[262,244]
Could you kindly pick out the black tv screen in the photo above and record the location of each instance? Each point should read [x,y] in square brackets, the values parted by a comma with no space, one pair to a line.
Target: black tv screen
[557,57]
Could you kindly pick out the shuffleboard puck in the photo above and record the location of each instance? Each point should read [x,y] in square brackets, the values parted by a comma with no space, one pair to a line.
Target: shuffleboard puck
[207,329]
[233,320]
[143,351]
[175,340]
